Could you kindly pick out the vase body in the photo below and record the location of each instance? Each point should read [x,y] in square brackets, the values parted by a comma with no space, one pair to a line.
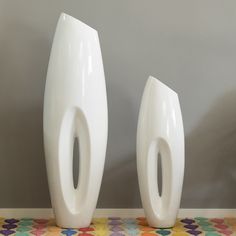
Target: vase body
[75,106]
[160,131]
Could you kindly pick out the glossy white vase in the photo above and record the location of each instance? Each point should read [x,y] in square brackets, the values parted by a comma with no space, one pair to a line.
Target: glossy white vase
[160,131]
[75,106]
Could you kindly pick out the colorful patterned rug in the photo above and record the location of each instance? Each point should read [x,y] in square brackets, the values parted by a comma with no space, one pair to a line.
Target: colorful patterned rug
[115,226]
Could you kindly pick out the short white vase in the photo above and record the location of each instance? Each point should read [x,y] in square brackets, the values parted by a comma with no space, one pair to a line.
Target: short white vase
[75,106]
[160,131]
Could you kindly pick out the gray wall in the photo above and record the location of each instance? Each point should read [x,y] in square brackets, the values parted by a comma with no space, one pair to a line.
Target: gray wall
[189,45]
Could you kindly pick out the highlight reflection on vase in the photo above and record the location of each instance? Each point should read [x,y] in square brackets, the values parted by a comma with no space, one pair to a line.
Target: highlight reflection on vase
[75,106]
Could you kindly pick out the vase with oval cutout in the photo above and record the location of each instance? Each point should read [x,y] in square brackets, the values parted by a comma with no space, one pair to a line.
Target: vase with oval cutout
[160,133]
[75,107]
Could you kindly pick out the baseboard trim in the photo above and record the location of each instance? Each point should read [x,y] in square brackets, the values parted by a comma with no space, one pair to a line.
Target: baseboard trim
[125,213]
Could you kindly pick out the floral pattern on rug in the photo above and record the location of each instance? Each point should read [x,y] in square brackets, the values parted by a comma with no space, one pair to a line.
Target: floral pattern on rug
[115,226]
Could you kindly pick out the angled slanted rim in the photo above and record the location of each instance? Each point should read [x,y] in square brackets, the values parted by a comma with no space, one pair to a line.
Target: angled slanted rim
[65,16]
[157,82]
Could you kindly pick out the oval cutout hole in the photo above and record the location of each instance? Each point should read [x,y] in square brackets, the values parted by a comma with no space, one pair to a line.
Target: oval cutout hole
[76,161]
[159,174]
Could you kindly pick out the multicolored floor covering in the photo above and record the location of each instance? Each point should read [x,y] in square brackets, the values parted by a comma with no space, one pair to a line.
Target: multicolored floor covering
[115,226]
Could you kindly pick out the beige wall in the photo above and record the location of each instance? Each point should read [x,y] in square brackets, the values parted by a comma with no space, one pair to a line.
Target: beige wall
[189,45]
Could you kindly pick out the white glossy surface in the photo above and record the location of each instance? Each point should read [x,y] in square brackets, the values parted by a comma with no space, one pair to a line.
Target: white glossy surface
[75,105]
[160,130]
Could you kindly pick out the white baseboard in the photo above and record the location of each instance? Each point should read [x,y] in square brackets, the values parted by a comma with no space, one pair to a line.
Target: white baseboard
[36,213]
[125,213]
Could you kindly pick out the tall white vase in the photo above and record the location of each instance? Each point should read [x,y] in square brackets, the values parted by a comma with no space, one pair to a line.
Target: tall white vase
[160,131]
[75,106]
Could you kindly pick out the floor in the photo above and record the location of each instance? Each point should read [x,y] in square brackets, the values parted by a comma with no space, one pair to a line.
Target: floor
[115,226]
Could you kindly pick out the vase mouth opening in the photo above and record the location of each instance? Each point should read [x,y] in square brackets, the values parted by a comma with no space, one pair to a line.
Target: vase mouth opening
[67,17]
[159,83]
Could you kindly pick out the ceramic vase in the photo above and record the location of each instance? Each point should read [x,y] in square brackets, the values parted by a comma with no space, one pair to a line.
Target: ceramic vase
[75,106]
[160,132]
